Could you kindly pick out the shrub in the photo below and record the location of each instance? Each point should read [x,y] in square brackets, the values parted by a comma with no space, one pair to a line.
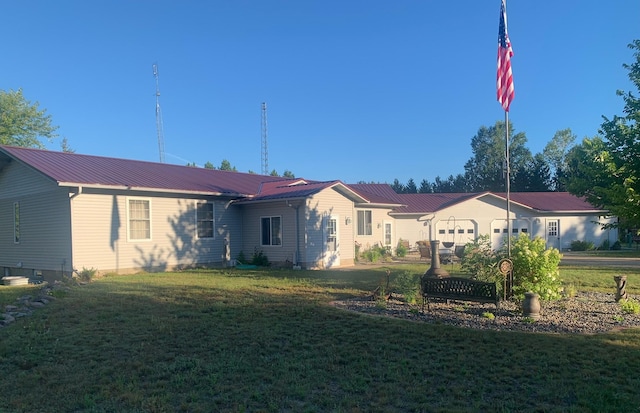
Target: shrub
[630,306]
[480,260]
[241,258]
[401,250]
[86,274]
[582,246]
[260,259]
[616,246]
[605,246]
[408,285]
[375,253]
[535,268]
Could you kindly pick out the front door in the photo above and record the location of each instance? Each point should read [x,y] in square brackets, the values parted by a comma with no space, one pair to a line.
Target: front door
[331,242]
[553,233]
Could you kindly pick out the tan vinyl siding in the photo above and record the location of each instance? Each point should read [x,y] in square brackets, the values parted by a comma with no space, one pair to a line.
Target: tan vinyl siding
[44,222]
[252,234]
[329,202]
[102,239]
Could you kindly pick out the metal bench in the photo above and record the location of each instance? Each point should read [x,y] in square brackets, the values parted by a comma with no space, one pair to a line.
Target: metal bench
[457,288]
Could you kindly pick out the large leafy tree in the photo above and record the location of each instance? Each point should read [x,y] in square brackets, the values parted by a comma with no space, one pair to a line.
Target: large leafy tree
[606,170]
[555,153]
[485,170]
[22,123]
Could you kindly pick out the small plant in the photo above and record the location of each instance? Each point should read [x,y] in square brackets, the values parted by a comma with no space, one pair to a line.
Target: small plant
[87,274]
[408,285]
[618,318]
[488,315]
[241,258]
[528,320]
[630,306]
[582,246]
[401,249]
[260,259]
[570,291]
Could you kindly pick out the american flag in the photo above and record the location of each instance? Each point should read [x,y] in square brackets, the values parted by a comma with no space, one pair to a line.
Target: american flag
[506,91]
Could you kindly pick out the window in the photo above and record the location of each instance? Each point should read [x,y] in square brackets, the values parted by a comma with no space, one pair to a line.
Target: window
[514,230]
[525,230]
[496,230]
[271,230]
[460,231]
[139,219]
[441,231]
[16,222]
[204,220]
[470,231]
[364,223]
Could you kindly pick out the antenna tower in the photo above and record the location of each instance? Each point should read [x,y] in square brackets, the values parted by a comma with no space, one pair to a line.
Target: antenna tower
[265,154]
[159,125]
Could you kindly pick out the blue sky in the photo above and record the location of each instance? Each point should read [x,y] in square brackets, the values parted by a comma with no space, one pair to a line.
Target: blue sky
[358,90]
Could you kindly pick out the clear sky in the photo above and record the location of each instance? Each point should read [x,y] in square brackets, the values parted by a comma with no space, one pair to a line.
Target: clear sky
[356,90]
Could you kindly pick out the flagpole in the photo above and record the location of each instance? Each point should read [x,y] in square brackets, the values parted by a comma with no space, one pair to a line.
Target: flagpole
[507,181]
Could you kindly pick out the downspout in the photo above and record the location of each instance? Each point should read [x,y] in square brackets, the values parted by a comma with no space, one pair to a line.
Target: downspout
[296,258]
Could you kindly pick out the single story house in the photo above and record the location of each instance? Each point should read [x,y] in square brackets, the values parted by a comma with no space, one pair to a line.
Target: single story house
[63,212]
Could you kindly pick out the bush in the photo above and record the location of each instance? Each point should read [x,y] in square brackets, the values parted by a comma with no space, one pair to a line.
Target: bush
[582,246]
[86,274]
[408,285]
[259,259]
[481,261]
[630,306]
[535,268]
[401,250]
[375,253]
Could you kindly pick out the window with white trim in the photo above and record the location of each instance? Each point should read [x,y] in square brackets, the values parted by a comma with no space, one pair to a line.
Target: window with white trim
[16,222]
[365,226]
[204,220]
[271,230]
[139,214]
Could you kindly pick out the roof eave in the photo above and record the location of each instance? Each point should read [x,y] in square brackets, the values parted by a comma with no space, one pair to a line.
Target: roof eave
[145,189]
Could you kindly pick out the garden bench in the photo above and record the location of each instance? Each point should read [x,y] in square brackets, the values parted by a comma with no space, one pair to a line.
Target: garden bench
[457,288]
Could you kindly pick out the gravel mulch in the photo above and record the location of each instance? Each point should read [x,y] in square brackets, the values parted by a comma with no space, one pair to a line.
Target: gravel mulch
[586,313]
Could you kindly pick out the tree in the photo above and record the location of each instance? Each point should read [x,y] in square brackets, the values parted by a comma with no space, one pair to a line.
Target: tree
[555,153]
[397,186]
[21,123]
[425,187]
[533,176]
[225,165]
[606,170]
[209,165]
[485,170]
[288,174]
[410,187]
[64,145]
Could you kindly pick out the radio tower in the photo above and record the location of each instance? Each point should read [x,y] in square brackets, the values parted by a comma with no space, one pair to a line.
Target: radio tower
[159,125]
[265,154]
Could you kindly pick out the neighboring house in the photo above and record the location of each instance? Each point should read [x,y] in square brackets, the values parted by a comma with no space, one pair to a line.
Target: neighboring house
[61,212]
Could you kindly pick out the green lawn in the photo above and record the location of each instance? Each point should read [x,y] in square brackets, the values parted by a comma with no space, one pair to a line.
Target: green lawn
[268,341]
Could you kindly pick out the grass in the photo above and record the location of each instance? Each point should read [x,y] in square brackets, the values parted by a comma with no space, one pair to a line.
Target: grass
[267,341]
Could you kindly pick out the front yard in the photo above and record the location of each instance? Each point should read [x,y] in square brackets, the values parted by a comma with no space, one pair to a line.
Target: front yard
[269,341]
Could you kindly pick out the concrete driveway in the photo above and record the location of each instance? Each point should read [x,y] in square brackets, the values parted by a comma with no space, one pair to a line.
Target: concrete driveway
[577,258]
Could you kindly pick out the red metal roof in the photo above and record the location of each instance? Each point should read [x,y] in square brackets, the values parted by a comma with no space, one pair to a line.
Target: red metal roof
[377,193]
[540,201]
[75,169]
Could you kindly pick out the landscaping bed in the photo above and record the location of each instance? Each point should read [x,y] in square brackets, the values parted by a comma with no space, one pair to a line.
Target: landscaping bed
[586,313]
